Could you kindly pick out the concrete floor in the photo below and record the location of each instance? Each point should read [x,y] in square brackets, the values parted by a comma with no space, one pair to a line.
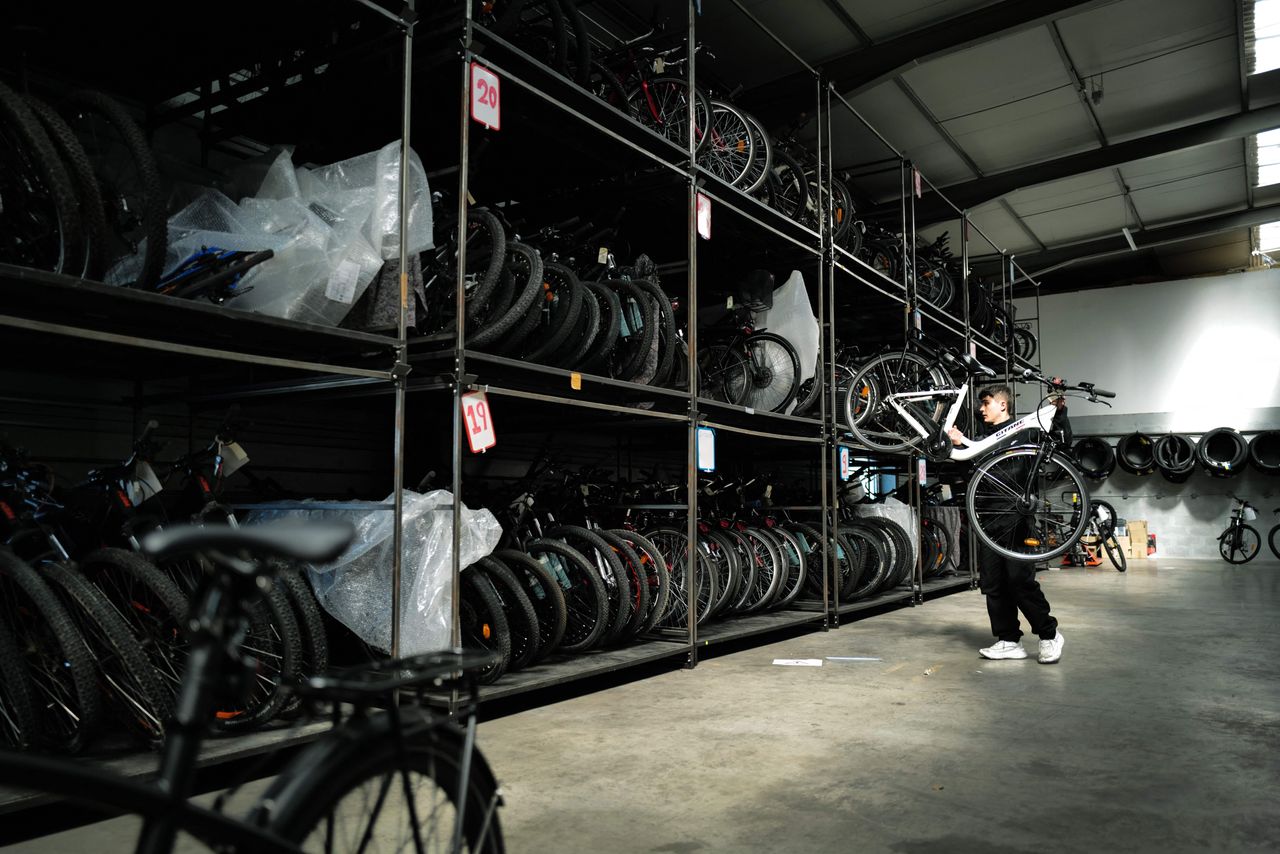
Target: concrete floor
[1159,731]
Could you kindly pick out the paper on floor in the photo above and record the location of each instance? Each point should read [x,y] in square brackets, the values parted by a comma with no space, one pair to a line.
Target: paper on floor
[799,662]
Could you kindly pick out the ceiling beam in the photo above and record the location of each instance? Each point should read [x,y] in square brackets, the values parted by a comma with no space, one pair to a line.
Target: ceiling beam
[861,69]
[1041,263]
[970,194]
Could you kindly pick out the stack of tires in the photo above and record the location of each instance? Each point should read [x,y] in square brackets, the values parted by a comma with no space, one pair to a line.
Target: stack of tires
[1175,457]
[1264,452]
[1095,457]
[1136,454]
[1222,452]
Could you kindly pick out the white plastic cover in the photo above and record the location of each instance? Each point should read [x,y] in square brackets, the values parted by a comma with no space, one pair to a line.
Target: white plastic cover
[792,317]
[331,228]
[356,588]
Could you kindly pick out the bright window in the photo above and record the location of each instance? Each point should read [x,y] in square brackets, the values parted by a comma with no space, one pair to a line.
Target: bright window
[1263,36]
[1266,147]
[1269,237]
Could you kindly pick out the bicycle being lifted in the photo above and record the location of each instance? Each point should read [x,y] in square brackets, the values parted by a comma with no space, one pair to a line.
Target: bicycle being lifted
[1023,501]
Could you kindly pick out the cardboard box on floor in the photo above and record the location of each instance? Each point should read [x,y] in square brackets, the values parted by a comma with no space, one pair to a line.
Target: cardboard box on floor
[1137,539]
[1124,544]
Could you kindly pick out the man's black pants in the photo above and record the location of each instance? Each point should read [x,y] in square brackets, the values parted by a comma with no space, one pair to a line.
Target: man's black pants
[1010,586]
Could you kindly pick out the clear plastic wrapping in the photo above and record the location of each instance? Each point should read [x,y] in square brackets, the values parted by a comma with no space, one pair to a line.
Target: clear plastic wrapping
[330,228]
[356,588]
[898,512]
[792,317]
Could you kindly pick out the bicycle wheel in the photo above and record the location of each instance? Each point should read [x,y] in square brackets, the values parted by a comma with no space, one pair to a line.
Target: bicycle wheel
[721,373]
[772,373]
[791,188]
[135,694]
[810,539]
[637,582]
[758,173]
[40,223]
[638,332]
[585,598]
[1239,544]
[564,306]
[1273,540]
[877,559]
[666,330]
[769,570]
[544,593]
[609,566]
[657,576]
[88,197]
[731,148]
[129,181]
[873,422]
[521,317]
[1026,513]
[522,619]
[58,662]
[673,545]
[18,722]
[376,790]
[725,569]
[149,601]
[795,564]
[663,105]
[482,622]
[1114,553]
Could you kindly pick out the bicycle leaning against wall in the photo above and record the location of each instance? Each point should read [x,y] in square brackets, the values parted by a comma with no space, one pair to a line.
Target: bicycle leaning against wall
[1240,543]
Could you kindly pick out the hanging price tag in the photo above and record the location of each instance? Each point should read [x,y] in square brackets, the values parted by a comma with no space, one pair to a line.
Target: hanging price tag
[922,470]
[486,97]
[704,217]
[477,420]
[846,464]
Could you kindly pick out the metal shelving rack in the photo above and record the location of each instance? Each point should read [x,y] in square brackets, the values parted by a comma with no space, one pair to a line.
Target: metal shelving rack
[316,362]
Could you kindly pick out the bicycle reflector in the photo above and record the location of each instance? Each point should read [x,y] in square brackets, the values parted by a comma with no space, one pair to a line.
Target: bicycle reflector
[486,631]
[1031,541]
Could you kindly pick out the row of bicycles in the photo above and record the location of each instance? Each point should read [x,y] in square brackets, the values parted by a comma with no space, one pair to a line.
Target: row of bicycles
[579,568]
[95,634]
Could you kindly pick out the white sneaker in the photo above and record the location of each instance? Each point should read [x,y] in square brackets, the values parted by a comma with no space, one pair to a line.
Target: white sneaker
[1051,650]
[1002,650]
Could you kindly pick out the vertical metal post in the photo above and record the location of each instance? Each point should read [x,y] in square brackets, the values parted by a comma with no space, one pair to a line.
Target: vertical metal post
[831,477]
[971,549]
[691,479]
[460,305]
[402,343]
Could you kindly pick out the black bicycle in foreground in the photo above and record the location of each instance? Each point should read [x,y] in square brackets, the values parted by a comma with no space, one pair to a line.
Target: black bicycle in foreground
[403,779]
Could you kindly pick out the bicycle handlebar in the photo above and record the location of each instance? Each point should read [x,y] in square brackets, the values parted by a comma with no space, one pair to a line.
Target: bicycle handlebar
[1060,384]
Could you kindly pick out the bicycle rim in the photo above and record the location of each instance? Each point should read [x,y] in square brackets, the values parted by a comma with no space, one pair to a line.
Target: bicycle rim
[1026,514]
[772,374]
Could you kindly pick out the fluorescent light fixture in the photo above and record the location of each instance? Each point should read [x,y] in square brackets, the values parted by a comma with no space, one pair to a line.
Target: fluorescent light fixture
[1129,238]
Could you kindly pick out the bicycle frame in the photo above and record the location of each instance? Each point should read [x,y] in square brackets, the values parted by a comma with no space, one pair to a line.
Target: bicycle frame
[969,449]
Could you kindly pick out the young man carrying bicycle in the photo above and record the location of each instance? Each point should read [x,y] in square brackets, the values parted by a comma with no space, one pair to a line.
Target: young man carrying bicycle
[1010,585]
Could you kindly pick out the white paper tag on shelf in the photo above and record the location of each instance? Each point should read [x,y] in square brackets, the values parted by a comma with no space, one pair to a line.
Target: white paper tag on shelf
[233,458]
[922,470]
[846,466]
[750,410]
[798,662]
[946,492]
[602,257]
[704,217]
[706,449]
[342,282]
[144,484]
[479,421]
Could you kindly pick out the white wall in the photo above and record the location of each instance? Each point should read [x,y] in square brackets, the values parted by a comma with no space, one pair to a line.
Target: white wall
[1185,357]
[1206,351]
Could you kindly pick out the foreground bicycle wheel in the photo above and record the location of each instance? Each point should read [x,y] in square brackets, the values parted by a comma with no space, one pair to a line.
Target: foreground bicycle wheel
[368,796]
[867,412]
[1027,511]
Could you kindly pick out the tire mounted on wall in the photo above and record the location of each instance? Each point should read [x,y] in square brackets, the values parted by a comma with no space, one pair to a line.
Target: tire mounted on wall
[1222,452]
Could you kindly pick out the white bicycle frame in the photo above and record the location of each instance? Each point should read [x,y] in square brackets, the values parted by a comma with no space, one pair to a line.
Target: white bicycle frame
[968,450]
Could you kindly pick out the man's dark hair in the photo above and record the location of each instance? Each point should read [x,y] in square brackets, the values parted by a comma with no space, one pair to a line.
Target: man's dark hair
[997,391]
